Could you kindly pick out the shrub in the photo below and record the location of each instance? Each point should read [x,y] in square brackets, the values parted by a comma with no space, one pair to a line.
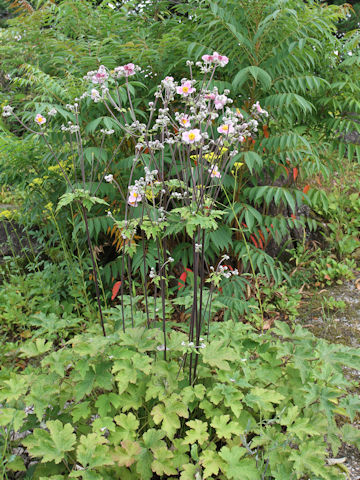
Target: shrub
[262,407]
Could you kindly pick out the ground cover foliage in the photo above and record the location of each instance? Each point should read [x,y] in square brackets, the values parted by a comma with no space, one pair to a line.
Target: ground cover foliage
[162,240]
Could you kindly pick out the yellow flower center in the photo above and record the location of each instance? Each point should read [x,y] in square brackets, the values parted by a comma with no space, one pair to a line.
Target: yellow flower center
[135,195]
[225,128]
[184,121]
[191,136]
[185,89]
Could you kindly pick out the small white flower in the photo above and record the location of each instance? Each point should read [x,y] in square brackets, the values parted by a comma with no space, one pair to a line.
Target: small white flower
[110,5]
[7,111]
[350,54]
[107,132]
[161,348]
[95,95]
[198,247]
[52,112]
[336,52]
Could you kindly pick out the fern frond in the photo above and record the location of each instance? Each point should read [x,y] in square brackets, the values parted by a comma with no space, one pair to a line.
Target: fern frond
[21,6]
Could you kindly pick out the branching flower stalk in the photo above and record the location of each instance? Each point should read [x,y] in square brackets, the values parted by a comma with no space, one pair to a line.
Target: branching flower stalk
[192,138]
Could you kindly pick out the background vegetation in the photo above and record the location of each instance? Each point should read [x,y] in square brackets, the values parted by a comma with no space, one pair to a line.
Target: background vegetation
[76,404]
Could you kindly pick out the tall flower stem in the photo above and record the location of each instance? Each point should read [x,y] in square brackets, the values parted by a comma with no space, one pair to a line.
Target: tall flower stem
[97,290]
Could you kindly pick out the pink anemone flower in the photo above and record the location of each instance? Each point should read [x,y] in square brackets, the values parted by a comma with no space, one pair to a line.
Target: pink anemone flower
[185,89]
[191,136]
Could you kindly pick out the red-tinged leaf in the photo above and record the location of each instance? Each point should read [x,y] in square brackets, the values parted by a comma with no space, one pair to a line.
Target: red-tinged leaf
[266,131]
[306,188]
[295,173]
[229,267]
[261,235]
[286,170]
[253,239]
[260,240]
[115,290]
[183,277]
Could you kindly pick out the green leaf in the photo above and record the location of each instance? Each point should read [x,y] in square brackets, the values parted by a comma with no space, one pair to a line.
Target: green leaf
[12,418]
[106,402]
[236,466]
[351,435]
[92,452]
[256,73]
[127,454]
[16,464]
[351,403]
[81,410]
[310,458]
[51,445]
[128,424]
[263,398]
[211,462]
[198,433]
[189,472]
[224,427]
[163,462]
[168,414]
[153,438]
[217,355]
[34,349]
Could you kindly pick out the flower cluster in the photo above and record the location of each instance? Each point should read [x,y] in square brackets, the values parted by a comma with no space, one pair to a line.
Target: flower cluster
[127,70]
[7,111]
[109,178]
[97,76]
[216,59]
[136,192]
[70,128]
[259,112]
[106,131]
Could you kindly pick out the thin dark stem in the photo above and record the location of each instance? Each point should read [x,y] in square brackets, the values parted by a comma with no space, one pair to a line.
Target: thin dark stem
[94,268]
